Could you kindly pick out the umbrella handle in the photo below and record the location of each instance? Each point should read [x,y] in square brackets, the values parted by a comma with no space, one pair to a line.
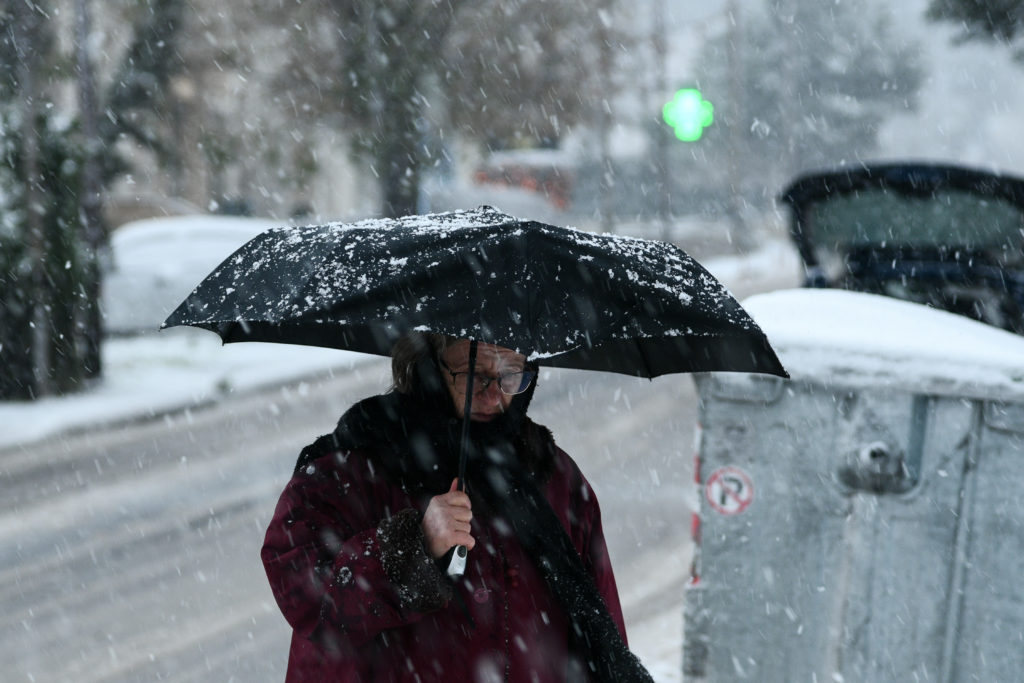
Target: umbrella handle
[457,565]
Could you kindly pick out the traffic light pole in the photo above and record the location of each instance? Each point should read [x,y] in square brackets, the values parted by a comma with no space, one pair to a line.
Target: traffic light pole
[659,43]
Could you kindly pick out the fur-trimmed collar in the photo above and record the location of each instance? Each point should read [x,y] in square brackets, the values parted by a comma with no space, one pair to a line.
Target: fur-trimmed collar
[418,446]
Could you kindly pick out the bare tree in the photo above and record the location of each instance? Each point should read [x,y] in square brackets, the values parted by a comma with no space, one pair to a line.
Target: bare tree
[505,73]
[519,73]
[139,102]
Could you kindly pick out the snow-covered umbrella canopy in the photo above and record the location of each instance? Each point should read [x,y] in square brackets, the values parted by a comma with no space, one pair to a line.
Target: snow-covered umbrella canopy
[562,297]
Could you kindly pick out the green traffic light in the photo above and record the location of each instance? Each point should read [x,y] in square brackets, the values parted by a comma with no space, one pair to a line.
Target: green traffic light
[689,114]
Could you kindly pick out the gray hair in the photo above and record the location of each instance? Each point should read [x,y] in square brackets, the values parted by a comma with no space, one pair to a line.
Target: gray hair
[407,353]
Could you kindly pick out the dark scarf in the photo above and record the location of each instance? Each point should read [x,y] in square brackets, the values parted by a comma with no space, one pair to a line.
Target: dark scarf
[414,438]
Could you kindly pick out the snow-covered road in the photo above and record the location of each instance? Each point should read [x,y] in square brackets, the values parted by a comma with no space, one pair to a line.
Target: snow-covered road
[132,554]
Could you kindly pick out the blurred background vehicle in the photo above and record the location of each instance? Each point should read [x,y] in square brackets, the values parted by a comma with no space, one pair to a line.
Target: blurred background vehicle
[943,235]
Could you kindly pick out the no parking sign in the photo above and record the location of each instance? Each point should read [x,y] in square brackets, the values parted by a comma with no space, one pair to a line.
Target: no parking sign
[729,490]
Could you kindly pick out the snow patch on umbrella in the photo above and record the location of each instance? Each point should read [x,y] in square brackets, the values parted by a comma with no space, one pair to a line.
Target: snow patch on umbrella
[542,355]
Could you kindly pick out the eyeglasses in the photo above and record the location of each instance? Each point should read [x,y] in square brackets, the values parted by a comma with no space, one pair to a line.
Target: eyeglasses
[510,383]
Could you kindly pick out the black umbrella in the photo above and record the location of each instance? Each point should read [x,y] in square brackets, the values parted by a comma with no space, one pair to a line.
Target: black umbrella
[562,297]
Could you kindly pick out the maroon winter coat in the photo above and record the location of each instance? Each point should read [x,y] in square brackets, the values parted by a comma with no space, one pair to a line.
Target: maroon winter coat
[345,559]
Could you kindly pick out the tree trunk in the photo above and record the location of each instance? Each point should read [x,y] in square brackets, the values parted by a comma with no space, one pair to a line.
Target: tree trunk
[400,180]
[39,297]
[398,153]
[606,202]
[90,198]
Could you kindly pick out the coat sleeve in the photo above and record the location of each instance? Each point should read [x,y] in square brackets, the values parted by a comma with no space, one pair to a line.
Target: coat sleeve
[340,564]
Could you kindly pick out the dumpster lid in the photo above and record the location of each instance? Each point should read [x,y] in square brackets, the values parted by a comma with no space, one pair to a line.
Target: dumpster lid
[841,337]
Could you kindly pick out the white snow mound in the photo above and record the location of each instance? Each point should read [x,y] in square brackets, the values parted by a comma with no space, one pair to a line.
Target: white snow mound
[836,336]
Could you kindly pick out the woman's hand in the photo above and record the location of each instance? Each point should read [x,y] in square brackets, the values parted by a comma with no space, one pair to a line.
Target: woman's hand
[446,522]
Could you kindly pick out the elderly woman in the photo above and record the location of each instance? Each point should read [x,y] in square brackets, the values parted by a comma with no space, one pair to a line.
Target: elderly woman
[356,551]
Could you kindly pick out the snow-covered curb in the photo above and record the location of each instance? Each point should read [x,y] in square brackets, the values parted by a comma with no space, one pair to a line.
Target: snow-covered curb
[151,375]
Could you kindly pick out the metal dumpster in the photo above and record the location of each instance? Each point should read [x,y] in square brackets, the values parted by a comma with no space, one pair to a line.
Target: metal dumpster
[863,521]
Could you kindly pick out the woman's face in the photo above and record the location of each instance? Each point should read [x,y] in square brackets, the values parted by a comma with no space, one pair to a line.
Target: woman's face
[491,362]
